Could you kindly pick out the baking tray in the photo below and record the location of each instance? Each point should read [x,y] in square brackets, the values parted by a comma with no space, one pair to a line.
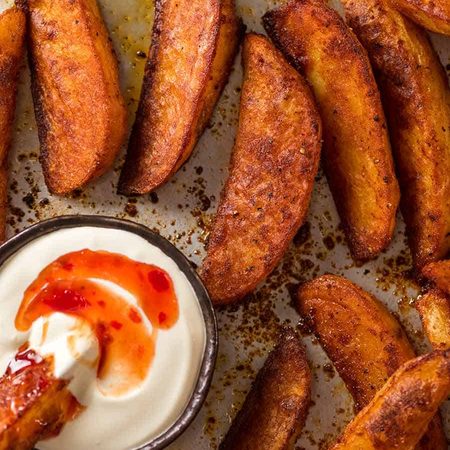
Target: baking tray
[182,211]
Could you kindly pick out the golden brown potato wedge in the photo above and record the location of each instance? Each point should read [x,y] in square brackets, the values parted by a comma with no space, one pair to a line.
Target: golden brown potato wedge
[33,404]
[439,273]
[357,155]
[12,36]
[275,410]
[79,108]
[434,310]
[434,15]
[193,48]
[417,102]
[274,162]
[400,412]
[362,338]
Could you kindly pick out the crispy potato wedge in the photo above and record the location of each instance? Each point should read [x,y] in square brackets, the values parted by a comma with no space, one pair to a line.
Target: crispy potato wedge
[33,404]
[417,101]
[399,414]
[362,338]
[434,310]
[12,40]
[79,108]
[276,407]
[274,162]
[193,48]
[434,15]
[439,273]
[357,154]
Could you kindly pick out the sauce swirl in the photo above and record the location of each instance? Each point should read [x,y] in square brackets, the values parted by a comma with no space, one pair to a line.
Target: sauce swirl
[70,285]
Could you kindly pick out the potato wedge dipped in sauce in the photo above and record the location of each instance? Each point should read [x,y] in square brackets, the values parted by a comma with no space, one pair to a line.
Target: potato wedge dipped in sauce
[357,154]
[33,403]
[274,162]
[80,111]
[434,15]
[12,40]
[400,412]
[362,338]
[434,310]
[416,96]
[193,48]
[276,407]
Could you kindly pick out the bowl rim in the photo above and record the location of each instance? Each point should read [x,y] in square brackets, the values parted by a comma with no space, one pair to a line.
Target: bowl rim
[206,372]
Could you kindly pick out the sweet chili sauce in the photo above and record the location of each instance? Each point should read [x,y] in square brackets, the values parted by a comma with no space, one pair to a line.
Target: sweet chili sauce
[127,345]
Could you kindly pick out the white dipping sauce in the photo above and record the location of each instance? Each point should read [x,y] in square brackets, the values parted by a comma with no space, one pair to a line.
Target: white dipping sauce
[108,423]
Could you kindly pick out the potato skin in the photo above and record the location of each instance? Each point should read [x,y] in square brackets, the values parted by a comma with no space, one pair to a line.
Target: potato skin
[362,338]
[417,103]
[357,155]
[399,414]
[174,109]
[273,165]
[12,40]
[439,273]
[434,310]
[434,15]
[79,108]
[276,407]
[33,405]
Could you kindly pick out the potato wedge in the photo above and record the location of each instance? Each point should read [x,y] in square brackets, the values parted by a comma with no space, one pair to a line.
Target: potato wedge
[434,310]
[417,102]
[12,40]
[362,338]
[434,15]
[399,414]
[33,404]
[439,273]
[276,407]
[193,48]
[79,108]
[274,162]
[357,154]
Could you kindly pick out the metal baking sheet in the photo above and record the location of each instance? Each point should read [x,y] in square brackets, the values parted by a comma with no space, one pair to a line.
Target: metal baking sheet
[182,211]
